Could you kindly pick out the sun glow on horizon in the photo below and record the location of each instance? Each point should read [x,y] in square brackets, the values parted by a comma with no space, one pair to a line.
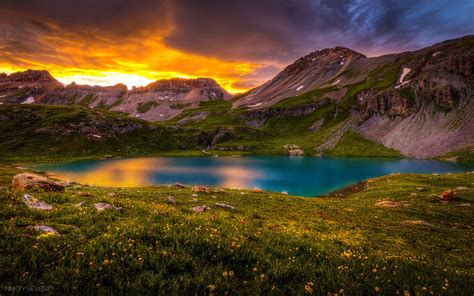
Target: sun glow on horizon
[111,78]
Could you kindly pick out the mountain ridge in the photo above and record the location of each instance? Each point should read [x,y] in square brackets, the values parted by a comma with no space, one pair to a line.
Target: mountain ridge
[418,103]
[163,99]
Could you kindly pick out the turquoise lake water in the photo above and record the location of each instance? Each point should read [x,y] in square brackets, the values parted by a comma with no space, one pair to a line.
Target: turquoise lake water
[304,176]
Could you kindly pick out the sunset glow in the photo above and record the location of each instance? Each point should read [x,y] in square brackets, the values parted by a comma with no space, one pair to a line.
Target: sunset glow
[240,44]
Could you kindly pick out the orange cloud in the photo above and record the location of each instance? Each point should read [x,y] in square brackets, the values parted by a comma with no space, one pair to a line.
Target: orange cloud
[88,56]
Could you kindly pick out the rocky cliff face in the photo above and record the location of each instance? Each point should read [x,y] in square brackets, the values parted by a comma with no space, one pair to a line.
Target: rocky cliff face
[420,103]
[430,112]
[158,101]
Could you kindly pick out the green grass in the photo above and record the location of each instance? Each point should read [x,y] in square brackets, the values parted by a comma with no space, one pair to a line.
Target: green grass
[179,106]
[305,98]
[270,244]
[87,99]
[354,144]
[463,155]
[40,132]
[145,107]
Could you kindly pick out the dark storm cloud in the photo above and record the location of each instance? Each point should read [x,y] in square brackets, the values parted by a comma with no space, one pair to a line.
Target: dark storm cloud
[116,17]
[265,35]
[252,29]
[286,29]
[278,30]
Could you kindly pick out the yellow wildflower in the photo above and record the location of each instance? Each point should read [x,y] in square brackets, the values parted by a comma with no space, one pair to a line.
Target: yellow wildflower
[347,253]
[309,287]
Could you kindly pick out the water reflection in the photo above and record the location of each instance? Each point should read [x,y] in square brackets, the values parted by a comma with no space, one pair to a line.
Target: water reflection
[149,171]
[307,176]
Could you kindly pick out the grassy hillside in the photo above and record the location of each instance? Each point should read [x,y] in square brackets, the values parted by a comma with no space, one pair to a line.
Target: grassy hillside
[269,244]
[42,132]
[62,132]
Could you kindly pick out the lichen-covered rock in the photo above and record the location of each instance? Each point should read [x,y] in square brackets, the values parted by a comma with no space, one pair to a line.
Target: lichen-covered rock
[26,181]
[33,203]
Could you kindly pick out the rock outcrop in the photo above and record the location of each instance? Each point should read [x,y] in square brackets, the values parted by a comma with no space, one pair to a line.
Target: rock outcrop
[26,181]
[293,150]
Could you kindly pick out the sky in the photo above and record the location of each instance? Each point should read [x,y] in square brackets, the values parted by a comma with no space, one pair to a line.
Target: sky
[239,43]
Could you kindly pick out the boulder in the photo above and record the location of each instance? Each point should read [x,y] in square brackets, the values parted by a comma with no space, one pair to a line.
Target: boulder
[26,181]
[224,206]
[201,189]
[33,203]
[293,150]
[45,229]
[179,185]
[105,206]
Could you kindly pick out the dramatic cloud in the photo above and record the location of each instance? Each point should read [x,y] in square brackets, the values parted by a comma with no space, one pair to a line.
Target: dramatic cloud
[239,43]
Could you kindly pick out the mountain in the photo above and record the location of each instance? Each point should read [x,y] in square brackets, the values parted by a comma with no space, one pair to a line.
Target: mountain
[419,103]
[307,73]
[158,101]
[333,102]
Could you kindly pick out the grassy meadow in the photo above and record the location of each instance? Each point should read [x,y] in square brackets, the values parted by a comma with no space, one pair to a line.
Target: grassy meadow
[270,243]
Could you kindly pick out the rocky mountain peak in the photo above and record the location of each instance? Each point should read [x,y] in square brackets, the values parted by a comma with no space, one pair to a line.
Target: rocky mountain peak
[181,83]
[29,76]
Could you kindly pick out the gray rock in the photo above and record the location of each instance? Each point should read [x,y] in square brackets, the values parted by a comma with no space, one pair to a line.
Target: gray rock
[44,228]
[105,206]
[33,203]
[224,206]
[171,200]
[179,185]
[418,223]
[200,209]
[81,204]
